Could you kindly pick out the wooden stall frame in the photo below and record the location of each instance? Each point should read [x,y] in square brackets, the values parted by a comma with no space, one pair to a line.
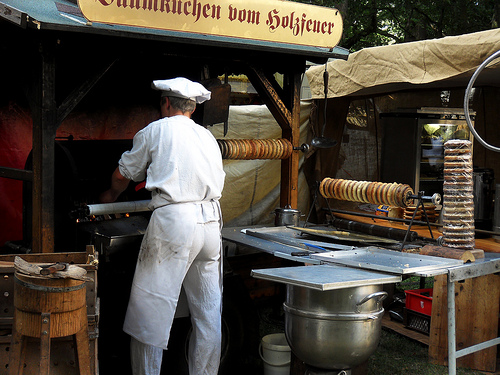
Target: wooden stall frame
[282,101]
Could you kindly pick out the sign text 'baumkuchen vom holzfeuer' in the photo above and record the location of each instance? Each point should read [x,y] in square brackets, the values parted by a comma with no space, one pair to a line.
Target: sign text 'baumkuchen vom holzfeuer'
[265,20]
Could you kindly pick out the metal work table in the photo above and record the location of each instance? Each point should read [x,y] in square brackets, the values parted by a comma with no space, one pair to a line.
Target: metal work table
[354,266]
[280,250]
[325,276]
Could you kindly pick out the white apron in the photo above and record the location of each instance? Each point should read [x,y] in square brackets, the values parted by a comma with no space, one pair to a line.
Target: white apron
[182,245]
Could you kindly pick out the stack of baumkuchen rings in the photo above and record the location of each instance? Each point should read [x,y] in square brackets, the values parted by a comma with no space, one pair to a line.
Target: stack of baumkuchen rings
[458,198]
[391,194]
[248,149]
[430,210]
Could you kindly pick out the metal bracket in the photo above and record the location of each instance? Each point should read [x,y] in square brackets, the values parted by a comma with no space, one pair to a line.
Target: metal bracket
[436,199]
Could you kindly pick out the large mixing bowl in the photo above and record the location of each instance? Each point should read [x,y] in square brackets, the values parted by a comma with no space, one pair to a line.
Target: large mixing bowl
[335,329]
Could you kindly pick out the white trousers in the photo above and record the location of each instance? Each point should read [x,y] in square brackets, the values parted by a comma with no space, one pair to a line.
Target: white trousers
[191,258]
[145,359]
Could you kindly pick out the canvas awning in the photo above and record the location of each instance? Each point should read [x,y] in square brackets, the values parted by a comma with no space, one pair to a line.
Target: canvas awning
[429,64]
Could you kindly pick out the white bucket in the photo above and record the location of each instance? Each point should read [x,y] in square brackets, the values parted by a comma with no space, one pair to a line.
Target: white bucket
[276,354]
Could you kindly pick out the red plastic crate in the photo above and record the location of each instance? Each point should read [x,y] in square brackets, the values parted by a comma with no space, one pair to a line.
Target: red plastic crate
[419,300]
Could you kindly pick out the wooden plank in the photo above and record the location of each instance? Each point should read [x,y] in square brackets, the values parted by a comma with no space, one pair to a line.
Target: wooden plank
[18,350]
[477,307]
[16,174]
[399,328]
[81,343]
[80,258]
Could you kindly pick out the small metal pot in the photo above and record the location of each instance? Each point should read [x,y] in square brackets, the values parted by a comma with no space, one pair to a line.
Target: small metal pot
[286,216]
[336,329]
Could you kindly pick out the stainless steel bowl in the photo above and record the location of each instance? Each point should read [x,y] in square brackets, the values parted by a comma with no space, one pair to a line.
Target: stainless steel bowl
[336,329]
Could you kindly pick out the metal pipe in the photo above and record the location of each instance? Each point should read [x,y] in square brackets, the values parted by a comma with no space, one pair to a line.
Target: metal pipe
[117,208]
[478,347]
[452,357]
[466,102]
[374,230]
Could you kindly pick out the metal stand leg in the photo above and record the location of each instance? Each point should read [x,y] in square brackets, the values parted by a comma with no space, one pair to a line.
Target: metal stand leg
[452,358]
[316,191]
[420,202]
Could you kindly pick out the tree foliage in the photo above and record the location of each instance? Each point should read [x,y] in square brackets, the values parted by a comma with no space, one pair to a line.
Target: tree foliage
[369,23]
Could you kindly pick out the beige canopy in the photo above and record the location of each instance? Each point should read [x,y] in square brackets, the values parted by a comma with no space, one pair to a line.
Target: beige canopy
[437,63]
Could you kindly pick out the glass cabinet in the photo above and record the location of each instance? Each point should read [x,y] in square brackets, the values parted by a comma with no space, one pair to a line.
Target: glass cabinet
[413,145]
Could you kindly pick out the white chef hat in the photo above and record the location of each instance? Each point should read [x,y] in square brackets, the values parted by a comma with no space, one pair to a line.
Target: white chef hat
[182,88]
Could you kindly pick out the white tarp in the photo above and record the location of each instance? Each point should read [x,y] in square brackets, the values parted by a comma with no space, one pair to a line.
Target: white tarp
[252,187]
[436,63]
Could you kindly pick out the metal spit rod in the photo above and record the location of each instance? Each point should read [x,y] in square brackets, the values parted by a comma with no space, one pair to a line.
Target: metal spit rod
[117,207]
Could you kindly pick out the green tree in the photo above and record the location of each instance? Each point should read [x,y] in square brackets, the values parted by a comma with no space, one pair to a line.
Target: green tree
[369,23]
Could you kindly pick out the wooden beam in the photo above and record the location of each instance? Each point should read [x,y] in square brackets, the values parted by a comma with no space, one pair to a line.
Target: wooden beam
[79,93]
[44,131]
[284,105]
[265,87]
[290,167]
[16,174]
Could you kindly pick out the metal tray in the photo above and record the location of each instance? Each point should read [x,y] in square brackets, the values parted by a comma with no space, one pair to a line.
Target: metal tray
[374,258]
[342,235]
[325,277]
[291,237]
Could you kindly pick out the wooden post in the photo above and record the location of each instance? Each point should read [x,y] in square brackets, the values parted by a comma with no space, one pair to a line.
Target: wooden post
[44,111]
[290,166]
[284,104]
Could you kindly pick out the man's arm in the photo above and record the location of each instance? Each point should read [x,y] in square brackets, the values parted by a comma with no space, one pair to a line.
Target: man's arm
[118,185]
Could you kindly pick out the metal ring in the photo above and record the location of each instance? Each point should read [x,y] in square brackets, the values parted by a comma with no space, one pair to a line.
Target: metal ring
[49,289]
[466,102]
[333,316]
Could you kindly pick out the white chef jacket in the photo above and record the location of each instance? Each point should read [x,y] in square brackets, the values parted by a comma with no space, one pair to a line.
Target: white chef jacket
[181,160]
[182,164]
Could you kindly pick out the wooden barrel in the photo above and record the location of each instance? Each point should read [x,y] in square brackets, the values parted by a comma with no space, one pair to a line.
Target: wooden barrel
[64,299]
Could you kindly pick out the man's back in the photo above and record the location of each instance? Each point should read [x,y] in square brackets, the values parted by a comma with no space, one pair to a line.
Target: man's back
[182,159]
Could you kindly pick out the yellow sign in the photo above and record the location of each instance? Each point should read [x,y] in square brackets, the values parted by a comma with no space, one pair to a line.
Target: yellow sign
[266,20]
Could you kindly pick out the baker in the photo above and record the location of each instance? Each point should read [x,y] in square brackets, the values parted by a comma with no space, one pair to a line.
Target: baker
[182,165]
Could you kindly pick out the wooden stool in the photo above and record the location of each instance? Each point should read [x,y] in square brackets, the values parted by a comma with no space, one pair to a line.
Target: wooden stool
[47,308]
